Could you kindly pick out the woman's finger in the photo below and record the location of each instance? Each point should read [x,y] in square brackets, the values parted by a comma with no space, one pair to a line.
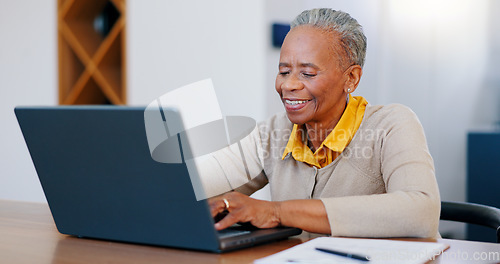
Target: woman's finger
[216,205]
[226,222]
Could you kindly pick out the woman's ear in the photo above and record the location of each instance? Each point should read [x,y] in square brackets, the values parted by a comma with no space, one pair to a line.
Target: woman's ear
[353,75]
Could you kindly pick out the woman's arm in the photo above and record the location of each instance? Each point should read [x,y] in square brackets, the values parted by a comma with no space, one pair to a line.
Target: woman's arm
[308,215]
[411,205]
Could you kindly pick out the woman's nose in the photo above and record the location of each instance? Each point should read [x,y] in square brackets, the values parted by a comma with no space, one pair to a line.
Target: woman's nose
[292,83]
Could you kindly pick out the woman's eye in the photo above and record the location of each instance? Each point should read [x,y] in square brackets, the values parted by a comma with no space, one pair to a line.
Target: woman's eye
[284,73]
[309,74]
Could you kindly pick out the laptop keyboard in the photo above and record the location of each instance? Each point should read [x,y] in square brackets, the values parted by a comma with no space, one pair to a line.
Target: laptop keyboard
[231,233]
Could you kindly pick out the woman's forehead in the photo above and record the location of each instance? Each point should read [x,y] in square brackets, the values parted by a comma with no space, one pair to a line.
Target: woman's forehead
[308,44]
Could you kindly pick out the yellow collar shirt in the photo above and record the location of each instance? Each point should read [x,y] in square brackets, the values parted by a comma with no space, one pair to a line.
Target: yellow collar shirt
[334,143]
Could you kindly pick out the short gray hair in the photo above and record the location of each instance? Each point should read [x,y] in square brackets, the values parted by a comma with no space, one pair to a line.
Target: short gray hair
[352,38]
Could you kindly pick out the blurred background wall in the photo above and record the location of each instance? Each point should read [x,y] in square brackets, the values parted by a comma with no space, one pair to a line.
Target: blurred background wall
[435,56]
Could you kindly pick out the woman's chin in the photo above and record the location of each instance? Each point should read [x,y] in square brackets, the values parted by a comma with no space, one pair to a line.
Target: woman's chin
[296,118]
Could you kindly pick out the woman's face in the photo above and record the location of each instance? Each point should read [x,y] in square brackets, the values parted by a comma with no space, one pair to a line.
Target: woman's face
[310,82]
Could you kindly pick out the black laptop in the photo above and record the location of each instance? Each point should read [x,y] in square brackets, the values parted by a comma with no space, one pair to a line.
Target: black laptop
[100,182]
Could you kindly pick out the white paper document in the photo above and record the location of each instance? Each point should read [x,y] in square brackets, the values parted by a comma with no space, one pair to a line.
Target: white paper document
[375,250]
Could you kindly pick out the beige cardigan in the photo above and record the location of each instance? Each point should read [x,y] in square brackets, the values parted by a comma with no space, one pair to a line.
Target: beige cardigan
[382,184]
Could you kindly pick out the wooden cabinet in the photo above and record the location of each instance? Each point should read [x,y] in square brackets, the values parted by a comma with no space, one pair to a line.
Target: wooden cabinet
[91,50]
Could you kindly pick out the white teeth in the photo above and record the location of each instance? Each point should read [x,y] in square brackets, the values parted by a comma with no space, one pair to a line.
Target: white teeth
[290,102]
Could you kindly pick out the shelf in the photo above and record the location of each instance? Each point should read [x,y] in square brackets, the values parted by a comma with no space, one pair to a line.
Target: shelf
[91,93]
[91,51]
[74,68]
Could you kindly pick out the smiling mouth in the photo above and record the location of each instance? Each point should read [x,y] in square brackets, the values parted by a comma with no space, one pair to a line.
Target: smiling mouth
[296,102]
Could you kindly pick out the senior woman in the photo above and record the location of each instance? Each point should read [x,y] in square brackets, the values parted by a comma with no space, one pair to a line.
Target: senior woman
[335,164]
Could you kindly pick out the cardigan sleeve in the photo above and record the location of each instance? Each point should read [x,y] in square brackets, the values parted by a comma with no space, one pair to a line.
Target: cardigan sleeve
[411,205]
[236,167]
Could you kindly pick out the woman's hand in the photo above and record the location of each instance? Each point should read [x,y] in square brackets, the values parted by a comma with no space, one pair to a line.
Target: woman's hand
[243,209]
[308,215]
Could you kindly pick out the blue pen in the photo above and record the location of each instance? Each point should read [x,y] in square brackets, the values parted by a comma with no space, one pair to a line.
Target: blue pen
[343,254]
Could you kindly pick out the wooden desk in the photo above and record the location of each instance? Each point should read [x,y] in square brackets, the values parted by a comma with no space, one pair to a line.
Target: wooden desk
[28,235]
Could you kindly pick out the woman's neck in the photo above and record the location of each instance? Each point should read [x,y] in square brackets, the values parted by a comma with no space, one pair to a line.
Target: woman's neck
[318,131]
